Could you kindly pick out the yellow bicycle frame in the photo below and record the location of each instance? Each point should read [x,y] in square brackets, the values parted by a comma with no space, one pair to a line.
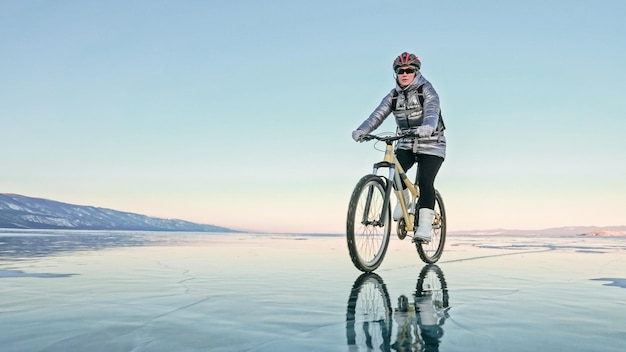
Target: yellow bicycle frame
[398,177]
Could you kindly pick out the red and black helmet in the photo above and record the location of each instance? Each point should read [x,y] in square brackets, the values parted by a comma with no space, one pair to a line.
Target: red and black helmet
[406,59]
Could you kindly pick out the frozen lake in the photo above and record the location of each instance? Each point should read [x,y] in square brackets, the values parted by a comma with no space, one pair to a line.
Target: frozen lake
[134,291]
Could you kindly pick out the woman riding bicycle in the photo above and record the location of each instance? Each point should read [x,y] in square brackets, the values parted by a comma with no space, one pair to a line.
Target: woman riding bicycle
[415,105]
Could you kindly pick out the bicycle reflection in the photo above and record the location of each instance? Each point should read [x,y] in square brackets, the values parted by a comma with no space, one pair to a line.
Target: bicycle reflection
[418,323]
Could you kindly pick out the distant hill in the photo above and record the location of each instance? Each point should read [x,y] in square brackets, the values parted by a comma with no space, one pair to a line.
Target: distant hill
[21,212]
[554,231]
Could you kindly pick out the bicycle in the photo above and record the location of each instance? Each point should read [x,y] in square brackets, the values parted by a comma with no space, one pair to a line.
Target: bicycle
[369,213]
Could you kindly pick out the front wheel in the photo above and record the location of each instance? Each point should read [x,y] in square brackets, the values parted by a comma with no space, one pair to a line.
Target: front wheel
[431,251]
[368,226]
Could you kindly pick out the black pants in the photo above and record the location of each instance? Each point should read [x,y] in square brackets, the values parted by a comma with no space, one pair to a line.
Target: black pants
[427,169]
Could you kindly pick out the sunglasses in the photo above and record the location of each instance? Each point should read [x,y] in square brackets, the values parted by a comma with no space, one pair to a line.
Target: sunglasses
[405,70]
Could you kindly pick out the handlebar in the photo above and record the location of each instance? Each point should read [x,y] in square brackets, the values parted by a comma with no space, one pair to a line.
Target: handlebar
[387,139]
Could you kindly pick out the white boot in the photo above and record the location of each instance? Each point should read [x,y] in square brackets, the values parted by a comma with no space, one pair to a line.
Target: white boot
[424,224]
[397,211]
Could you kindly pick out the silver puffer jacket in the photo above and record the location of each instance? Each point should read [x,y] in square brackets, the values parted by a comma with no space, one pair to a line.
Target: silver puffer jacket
[410,115]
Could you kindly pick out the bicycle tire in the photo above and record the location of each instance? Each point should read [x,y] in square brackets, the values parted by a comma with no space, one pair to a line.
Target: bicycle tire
[369,312]
[368,234]
[431,251]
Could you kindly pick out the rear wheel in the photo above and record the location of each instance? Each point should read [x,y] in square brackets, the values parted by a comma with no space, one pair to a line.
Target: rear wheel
[368,228]
[431,251]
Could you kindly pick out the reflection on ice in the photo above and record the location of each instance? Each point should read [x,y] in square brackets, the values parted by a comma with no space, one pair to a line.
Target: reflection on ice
[418,322]
[26,244]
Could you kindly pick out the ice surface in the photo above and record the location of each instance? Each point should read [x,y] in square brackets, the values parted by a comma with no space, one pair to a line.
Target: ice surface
[141,291]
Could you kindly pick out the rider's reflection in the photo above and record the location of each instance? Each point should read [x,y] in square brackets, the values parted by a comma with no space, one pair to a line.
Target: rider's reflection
[418,321]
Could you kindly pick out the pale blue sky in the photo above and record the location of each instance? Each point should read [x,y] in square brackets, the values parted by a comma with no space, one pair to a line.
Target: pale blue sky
[239,113]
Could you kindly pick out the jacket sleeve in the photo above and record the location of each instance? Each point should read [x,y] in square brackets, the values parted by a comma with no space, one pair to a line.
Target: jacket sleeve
[431,106]
[379,115]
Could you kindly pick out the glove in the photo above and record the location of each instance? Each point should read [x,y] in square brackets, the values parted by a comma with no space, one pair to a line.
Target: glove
[357,135]
[425,131]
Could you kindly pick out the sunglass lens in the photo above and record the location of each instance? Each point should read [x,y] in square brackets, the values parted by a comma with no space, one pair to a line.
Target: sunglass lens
[405,70]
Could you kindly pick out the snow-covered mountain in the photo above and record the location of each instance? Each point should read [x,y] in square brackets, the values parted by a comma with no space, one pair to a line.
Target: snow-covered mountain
[21,212]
